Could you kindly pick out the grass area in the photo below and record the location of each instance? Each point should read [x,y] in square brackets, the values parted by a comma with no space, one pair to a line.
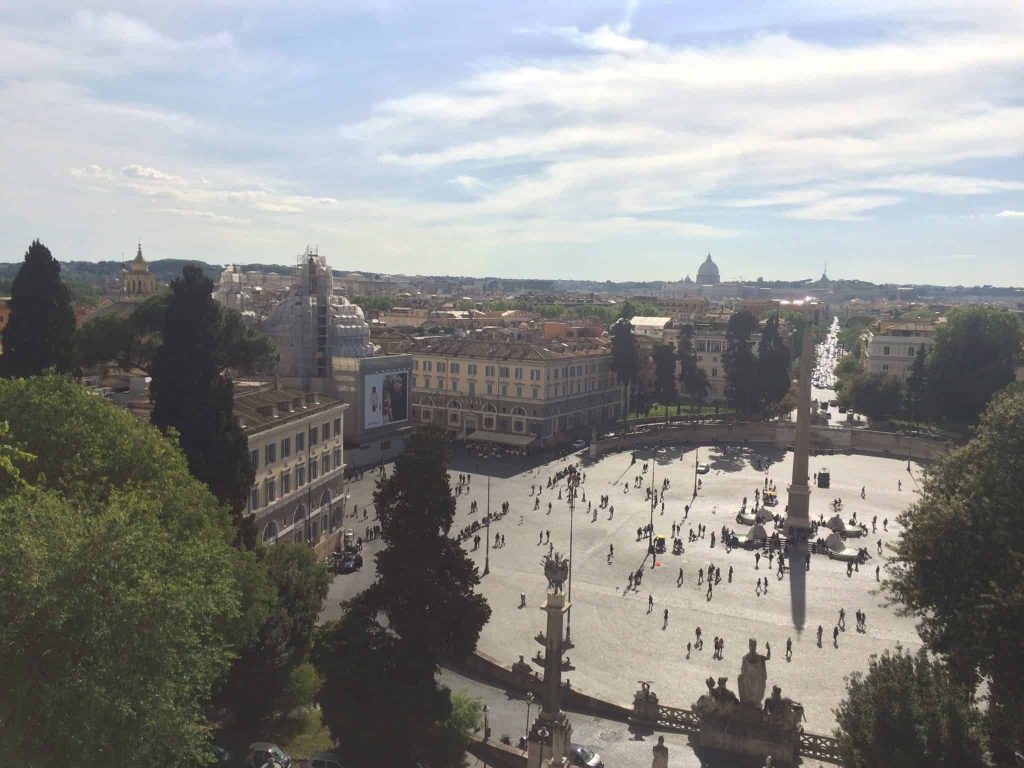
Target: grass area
[301,734]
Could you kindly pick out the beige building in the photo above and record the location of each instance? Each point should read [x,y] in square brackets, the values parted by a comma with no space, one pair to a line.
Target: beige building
[137,282]
[709,345]
[511,393]
[891,346]
[295,442]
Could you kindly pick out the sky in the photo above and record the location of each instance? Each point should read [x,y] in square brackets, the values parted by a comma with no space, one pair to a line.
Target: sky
[581,140]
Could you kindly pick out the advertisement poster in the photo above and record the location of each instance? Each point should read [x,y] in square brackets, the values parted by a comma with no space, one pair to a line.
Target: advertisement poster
[385,399]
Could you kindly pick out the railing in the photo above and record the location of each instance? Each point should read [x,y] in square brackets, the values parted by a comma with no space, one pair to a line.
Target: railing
[820,748]
[812,745]
[683,720]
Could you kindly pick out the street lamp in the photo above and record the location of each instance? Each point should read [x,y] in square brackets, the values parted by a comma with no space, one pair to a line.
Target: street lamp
[650,535]
[487,728]
[696,464]
[572,483]
[487,556]
[529,702]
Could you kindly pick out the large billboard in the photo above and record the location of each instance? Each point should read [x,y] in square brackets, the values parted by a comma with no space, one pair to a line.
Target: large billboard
[385,398]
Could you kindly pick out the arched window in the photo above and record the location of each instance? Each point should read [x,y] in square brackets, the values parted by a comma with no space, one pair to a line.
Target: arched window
[299,521]
[518,411]
[453,405]
[270,532]
[489,408]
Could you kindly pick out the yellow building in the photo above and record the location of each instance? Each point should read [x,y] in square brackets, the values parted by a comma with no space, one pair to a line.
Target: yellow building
[511,393]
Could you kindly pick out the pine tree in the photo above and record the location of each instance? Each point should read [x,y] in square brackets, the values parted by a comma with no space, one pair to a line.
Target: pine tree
[691,376]
[917,384]
[773,363]
[665,374]
[741,386]
[190,394]
[41,331]
[625,356]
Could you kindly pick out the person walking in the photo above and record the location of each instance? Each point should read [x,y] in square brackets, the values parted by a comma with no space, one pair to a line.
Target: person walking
[650,603]
[835,637]
[730,574]
[789,649]
[664,623]
[821,631]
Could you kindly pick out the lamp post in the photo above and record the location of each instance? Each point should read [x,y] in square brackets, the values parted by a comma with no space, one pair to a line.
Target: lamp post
[650,535]
[487,556]
[487,727]
[572,483]
[529,703]
[696,464]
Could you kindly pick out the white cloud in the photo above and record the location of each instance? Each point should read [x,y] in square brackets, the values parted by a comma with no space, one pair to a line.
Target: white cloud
[1010,215]
[849,208]
[142,172]
[467,183]
[189,213]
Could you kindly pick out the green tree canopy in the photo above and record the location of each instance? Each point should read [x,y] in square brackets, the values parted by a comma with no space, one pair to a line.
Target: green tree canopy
[971,360]
[374,679]
[959,565]
[876,395]
[665,373]
[259,683]
[132,340]
[625,355]
[691,375]
[773,365]
[40,333]
[904,713]
[87,449]
[191,395]
[122,600]
[739,363]
[112,626]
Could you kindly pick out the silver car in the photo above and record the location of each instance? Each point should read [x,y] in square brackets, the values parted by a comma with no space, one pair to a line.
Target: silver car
[580,755]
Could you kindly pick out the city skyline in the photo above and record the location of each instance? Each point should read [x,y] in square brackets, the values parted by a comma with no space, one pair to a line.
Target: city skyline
[623,139]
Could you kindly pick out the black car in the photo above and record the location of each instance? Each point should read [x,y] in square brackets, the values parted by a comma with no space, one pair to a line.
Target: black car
[349,562]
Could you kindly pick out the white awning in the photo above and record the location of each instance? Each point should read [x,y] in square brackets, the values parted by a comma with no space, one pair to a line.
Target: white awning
[501,438]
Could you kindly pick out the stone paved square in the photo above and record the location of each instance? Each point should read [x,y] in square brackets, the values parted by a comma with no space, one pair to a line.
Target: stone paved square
[618,641]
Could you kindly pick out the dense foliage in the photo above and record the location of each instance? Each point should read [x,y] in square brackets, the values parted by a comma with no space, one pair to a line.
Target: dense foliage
[625,356]
[40,333]
[906,712]
[665,374]
[192,396]
[122,601]
[262,680]
[773,365]
[691,376]
[971,360]
[131,340]
[378,662]
[740,364]
[959,565]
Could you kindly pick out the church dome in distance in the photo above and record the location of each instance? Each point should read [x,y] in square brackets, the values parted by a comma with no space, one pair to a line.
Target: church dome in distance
[708,273]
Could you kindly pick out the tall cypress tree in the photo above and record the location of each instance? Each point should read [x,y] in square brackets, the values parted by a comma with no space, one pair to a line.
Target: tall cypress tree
[190,394]
[773,364]
[741,386]
[41,331]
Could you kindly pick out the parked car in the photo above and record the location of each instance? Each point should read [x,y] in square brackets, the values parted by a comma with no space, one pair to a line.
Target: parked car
[325,760]
[703,468]
[580,755]
[579,445]
[349,562]
[263,754]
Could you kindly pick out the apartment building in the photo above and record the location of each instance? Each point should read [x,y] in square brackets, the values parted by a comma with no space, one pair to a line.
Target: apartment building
[709,344]
[891,346]
[512,393]
[296,446]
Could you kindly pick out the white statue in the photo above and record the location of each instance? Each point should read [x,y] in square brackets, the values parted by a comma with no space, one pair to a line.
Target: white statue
[754,675]
[660,754]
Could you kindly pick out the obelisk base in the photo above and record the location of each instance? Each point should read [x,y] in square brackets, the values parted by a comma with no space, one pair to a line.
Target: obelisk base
[549,741]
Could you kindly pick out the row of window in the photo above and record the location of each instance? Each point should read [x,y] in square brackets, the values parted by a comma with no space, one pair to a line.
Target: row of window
[270,450]
[274,488]
[911,351]
[440,366]
[452,385]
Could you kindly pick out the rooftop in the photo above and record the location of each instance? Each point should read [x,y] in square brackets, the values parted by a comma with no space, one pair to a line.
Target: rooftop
[266,405]
[508,350]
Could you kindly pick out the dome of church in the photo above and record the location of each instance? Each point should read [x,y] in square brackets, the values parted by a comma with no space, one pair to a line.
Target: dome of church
[708,273]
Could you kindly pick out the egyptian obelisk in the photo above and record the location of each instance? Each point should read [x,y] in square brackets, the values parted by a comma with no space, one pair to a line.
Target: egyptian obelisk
[798,522]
